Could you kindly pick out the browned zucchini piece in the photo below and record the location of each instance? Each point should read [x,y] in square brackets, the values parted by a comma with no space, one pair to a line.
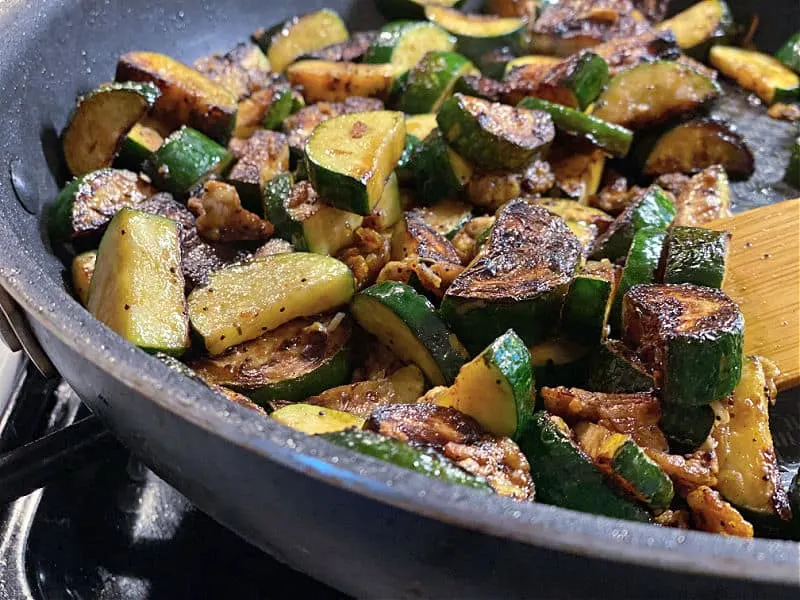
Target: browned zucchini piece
[700,26]
[328,81]
[704,198]
[300,125]
[267,108]
[698,144]
[712,514]
[359,398]
[187,96]
[492,190]
[220,216]
[578,167]
[763,74]
[242,71]
[690,471]
[260,158]
[351,50]
[414,237]
[82,271]
[623,53]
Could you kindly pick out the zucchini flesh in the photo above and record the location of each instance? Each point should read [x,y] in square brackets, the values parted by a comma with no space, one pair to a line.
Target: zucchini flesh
[420,126]
[243,71]
[420,460]
[653,208]
[700,26]
[492,135]
[624,461]
[299,359]
[404,43]
[698,144]
[328,81]
[705,198]
[138,146]
[572,211]
[137,285]
[623,53]
[437,170]
[413,236]
[85,206]
[242,302]
[588,301]
[350,158]
[578,168]
[613,138]
[100,122]
[285,42]
[187,96]
[686,427]
[696,255]
[262,156]
[313,420]
[539,60]
[350,50]
[789,53]
[430,82]
[478,35]
[758,72]
[491,190]
[410,9]
[496,387]
[518,280]
[652,93]
[389,210]
[407,323]
[447,216]
[82,271]
[691,337]
[186,159]
[615,369]
[565,476]
[363,397]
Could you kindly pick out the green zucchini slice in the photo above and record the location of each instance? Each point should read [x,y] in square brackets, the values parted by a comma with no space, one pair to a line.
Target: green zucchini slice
[654,208]
[492,135]
[789,53]
[437,171]
[85,206]
[588,302]
[313,420]
[518,280]
[299,359]
[478,35]
[330,81]
[496,387]
[186,159]
[261,157]
[691,338]
[615,369]
[244,301]
[411,9]
[651,93]
[285,42]
[696,145]
[624,461]
[407,323]
[101,120]
[137,284]
[430,82]
[613,138]
[420,460]
[82,271]
[761,73]
[686,427]
[300,217]
[137,147]
[696,255]
[349,158]
[574,82]
[565,476]
[447,216]
[187,96]
[792,174]
[404,43]
[700,26]
[389,209]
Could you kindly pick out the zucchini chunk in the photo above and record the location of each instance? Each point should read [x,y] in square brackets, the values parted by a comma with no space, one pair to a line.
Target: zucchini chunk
[313,420]
[478,35]
[243,71]
[578,167]
[404,43]
[137,147]
[420,460]
[701,26]
[430,82]
[653,208]
[641,266]
[413,236]
[298,359]
[447,216]
[407,323]
[437,171]
[565,476]
[696,255]
[350,50]
[137,285]
[411,9]
[574,212]
[588,302]
[101,120]
[480,87]
[389,209]
[491,190]
[624,461]
[612,138]
[85,206]
[686,427]
[621,54]
[82,271]
[420,126]
[300,217]
[492,135]
[615,369]
[559,361]
[496,387]
[328,81]
[267,109]
[712,514]
[187,96]
[757,72]
[518,280]
[749,476]
[244,301]
[539,60]
[261,157]
[363,397]
[350,158]
[652,93]
[691,338]
[698,144]
[285,42]
[634,414]
[789,53]
[704,198]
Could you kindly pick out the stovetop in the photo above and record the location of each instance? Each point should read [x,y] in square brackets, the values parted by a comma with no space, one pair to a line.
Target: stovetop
[116,531]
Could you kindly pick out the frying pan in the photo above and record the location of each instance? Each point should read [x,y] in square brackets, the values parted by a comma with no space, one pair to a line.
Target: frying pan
[363,526]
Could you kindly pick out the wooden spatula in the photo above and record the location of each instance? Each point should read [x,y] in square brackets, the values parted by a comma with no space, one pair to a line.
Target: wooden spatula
[763,277]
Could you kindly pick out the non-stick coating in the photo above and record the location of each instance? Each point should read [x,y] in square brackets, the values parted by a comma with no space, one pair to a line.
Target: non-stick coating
[361,525]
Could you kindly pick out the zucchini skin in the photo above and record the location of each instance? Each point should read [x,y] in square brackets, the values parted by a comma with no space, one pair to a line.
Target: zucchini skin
[565,476]
[631,464]
[686,427]
[696,255]
[430,82]
[437,171]
[717,27]
[334,372]
[391,37]
[613,369]
[583,316]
